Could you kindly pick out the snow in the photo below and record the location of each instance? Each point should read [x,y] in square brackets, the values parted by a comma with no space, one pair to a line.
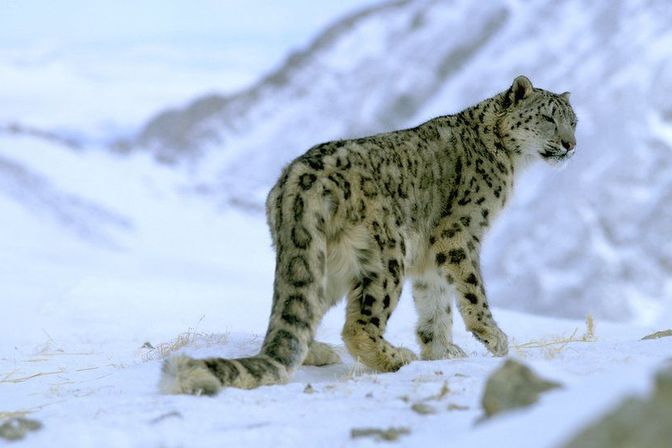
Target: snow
[99,387]
[109,260]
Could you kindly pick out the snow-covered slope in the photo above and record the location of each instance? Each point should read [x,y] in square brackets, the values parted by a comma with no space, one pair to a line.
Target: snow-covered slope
[592,238]
[370,72]
[82,355]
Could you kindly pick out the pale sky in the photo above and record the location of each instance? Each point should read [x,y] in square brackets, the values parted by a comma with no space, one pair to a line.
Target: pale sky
[115,63]
[82,22]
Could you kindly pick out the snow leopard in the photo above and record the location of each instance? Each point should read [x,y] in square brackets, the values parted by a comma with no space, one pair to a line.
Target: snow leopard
[356,218]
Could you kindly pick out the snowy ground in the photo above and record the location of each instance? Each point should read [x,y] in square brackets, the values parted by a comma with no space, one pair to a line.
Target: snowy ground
[81,370]
[76,316]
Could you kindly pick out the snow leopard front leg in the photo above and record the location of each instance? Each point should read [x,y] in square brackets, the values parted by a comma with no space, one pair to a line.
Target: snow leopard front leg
[456,255]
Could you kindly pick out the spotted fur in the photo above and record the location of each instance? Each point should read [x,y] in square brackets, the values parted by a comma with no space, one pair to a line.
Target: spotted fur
[356,217]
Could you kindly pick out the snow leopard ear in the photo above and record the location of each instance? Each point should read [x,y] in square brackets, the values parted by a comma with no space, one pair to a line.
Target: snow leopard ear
[521,89]
[565,95]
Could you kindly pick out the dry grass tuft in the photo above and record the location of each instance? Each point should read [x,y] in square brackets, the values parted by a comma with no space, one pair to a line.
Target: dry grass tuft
[356,371]
[443,392]
[553,346]
[189,338]
[589,336]
[8,377]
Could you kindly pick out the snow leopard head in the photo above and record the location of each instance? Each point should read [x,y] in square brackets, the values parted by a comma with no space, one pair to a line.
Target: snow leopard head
[537,123]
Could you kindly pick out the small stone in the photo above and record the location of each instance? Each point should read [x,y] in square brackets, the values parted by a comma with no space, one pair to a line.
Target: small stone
[635,422]
[513,385]
[17,428]
[308,389]
[457,407]
[423,409]
[658,335]
[389,435]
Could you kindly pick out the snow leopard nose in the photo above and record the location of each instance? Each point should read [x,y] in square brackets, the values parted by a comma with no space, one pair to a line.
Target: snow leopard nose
[568,144]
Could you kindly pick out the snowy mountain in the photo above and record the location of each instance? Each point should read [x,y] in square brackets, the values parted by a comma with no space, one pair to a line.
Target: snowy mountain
[593,238]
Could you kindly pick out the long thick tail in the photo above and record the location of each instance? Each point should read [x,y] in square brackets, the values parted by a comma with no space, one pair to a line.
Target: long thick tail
[297,222]
[184,375]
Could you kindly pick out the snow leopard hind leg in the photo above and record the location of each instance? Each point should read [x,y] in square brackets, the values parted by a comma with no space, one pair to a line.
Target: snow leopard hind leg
[371,301]
[432,296]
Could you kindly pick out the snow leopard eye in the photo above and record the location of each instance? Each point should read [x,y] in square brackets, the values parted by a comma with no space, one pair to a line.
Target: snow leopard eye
[548,118]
